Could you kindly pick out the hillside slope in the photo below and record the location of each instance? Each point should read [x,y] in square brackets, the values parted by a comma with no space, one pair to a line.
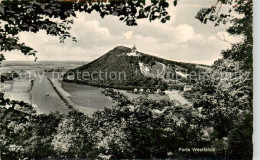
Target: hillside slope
[126,68]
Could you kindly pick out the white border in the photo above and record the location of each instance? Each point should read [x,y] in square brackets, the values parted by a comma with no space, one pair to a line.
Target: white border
[256,58]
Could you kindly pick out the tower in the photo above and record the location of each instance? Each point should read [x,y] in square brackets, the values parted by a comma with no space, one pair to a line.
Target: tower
[134,49]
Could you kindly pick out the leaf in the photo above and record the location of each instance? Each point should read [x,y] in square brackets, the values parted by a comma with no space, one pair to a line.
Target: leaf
[163,20]
[2,10]
[175,2]
[29,10]
[102,14]
[73,14]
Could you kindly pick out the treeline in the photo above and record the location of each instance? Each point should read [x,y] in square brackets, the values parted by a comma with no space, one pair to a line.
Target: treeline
[118,133]
[129,130]
[8,76]
[151,60]
[129,84]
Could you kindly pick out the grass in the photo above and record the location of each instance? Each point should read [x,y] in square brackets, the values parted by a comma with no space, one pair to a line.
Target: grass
[87,96]
[59,94]
[156,97]
[25,97]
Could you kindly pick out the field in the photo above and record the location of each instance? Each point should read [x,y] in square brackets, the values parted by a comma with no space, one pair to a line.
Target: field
[87,96]
[20,89]
[169,96]
[156,97]
[176,96]
[17,90]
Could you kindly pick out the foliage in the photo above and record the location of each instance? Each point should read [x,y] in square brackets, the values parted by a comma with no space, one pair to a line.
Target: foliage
[8,76]
[240,137]
[240,25]
[224,99]
[228,102]
[119,132]
[127,71]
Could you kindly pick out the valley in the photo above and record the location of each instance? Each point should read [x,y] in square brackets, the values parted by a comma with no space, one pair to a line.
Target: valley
[48,87]
[33,87]
[46,104]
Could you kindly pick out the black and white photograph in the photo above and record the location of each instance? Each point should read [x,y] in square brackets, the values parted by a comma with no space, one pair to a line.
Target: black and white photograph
[126,79]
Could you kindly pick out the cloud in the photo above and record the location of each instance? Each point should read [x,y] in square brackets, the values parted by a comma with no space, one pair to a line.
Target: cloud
[195,4]
[128,34]
[185,33]
[181,39]
[224,40]
[190,5]
[89,33]
[92,39]
[16,56]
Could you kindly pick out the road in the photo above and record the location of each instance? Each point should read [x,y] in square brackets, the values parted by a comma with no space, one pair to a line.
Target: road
[45,104]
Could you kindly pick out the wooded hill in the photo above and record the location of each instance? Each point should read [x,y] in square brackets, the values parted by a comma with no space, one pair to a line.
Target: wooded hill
[132,69]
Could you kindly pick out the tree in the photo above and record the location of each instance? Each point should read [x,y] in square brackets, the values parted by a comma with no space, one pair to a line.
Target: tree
[74,136]
[240,137]
[229,102]
[241,25]
[224,99]
[15,126]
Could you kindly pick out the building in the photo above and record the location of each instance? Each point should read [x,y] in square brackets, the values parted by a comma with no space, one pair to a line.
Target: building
[158,91]
[187,88]
[141,90]
[133,52]
[135,90]
[134,49]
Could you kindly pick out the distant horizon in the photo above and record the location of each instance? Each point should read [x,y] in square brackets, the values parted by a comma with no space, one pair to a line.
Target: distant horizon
[182,39]
[88,61]
[115,46]
[31,58]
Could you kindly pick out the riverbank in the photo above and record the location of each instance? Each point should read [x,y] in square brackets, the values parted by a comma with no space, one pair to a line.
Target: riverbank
[66,97]
[18,89]
[46,104]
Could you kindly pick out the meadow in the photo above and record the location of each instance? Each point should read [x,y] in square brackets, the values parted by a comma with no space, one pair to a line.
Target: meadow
[133,96]
[87,96]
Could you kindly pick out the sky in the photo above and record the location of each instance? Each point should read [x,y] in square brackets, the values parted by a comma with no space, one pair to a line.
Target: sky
[183,38]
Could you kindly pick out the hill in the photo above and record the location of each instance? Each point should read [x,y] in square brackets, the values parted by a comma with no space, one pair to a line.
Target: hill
[127,68]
